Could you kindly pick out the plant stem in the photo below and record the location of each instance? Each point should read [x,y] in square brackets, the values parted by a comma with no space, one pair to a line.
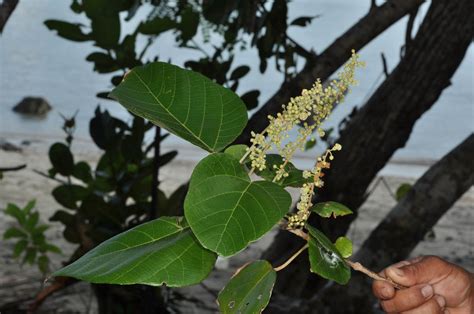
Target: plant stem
[360,268]
[155,175]
[282,266]
[354,265]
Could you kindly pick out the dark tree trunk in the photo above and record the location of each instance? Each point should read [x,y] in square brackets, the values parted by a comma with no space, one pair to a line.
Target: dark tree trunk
[384,124]
[6,9]
[377,20]
[135,299]
[406,224]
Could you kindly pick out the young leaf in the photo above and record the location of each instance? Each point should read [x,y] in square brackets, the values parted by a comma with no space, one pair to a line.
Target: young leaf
[14,232]
[20,246]
[328,209]
[162,251]
[402,191]
[185,103]
[325,259]
[236,151]
[16,212]
[249,290]
[344,246]
[225,210]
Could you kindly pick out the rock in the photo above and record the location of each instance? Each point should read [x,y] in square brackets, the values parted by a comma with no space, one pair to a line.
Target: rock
[9,147]
[33,106]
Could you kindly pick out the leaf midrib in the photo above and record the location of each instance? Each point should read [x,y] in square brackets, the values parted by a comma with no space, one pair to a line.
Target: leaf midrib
[171,114]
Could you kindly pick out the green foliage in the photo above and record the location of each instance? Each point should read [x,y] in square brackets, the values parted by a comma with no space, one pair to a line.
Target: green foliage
[226,210]
[185,103]
[402,190]
[162,251]
[328,209]
[31,244]
[325,259]
[294,178]
[249,290]
[344,246]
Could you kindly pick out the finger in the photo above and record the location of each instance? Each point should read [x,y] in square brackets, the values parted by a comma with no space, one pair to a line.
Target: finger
[424,270]
[432,306]
[383,290]
[408,299]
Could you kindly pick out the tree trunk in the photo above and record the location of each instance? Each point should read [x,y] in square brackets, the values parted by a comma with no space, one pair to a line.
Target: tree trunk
[384,124]
[377,20]
[6,9]
[406,224]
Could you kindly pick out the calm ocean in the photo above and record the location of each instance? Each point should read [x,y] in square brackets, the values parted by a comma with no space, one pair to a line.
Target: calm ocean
[34,61]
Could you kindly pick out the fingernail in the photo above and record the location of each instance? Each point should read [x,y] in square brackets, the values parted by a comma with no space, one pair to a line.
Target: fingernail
[427,291]
[441,301]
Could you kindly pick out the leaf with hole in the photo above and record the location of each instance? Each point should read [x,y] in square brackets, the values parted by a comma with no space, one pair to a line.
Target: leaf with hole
[325,259]
[162,251]
[225,210]
[328,209]
[249,290]
[185,103]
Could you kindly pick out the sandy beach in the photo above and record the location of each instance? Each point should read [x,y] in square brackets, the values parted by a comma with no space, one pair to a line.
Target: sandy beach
[452,238]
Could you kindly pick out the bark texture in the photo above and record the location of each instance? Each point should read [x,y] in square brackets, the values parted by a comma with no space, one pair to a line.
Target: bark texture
[406,225]
[384,124]
[377,20]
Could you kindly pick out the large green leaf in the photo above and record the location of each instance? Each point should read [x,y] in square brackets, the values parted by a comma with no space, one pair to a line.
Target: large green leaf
[249,290]
[185,103]
[225,210]
[162,251]
[325,259]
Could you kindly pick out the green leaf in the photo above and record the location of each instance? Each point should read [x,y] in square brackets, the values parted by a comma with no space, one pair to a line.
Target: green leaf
[295,176]
[225,210]
[325,259]
[402,190]
[30,256]
[156,26]
[67,30]
[189,24]
[310,144]
[249,290]
[328,209]
[239,72]
[106,30]
[344,246]
[303,21]
[69,195]
[236,151]
[82,171]
[20,246]
[61,158]
[250,99]
[32,221]
[185,103]
[43,264]
[14,232]
[27,209]
[16,212]
[162,251]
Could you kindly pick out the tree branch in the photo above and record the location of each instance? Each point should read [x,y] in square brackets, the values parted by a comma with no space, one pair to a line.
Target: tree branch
[6,9]
[360,34]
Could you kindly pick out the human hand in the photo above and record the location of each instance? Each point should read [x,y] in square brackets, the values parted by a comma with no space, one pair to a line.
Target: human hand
[433,286]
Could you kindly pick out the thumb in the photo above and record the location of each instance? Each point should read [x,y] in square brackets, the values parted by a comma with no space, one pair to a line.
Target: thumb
[421,270]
